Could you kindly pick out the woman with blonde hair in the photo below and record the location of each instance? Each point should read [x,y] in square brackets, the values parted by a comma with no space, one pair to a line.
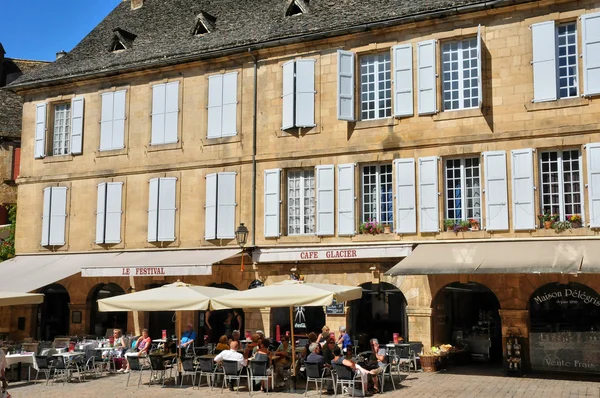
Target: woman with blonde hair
[324,335]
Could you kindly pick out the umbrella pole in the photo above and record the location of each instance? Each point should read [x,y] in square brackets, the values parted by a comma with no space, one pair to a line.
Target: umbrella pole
[293,341]
[179,340]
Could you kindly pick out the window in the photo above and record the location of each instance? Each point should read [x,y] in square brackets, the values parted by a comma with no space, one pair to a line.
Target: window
[161,209]
[297,7]
[222,105]
[378,199]
[460,74]
[375,87]
[112,123]
[301,202]
[108,213]
[463,189]
[298,94]
[220,206]
[566,40]
[561,183]
[54,216]
[165,112]
[62,129]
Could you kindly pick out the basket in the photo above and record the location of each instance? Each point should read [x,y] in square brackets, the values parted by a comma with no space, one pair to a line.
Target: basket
[429,363]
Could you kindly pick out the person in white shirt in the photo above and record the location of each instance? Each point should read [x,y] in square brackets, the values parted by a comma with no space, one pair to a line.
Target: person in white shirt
[232,355]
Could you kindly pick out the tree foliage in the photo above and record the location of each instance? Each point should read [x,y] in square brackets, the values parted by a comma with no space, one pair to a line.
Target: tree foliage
[7,248]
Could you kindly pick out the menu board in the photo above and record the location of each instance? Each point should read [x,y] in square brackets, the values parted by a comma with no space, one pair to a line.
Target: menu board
[565,352]
[335,308]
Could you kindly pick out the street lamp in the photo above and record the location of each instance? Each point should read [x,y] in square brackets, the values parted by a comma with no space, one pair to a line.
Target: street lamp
[241,236]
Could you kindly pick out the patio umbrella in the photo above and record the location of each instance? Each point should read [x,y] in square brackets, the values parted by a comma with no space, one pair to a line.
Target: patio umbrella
[14,298]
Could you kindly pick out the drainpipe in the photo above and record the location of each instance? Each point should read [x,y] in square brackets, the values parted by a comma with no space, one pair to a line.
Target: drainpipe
[254,110]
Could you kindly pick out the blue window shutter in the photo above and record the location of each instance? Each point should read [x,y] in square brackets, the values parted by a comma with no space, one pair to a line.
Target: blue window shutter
[345,85]
[77,108]
[158,113]
[153,210]
[215,106]
[167,209]
[107,101]
[58,216]
[429,194]
[114,199]
[46,217]
[346,200]
[40,131]
[544,61]
[496,206]
[523,190]
[325,200]
[403,80]
[288,96]
[229,121]
[427,77]
[272,198]
[590,24]
[226,203]
[101,213]
[305,93]
[210,207]
[406,212]
[171,112]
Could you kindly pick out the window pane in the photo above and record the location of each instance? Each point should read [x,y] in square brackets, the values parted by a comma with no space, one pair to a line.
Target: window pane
[571,183]
[62,129]
[376,87]
[460,80]
[567,60]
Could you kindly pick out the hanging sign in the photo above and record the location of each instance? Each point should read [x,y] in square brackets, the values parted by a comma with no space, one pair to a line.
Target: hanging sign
[335,308]
[147,271]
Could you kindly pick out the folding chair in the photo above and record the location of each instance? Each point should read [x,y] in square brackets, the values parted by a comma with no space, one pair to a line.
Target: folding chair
[189,369]
[316,372]
[135,365]
[259,371]
[386,373]
[346,377]
[230,373]
[44,366]
[157,366]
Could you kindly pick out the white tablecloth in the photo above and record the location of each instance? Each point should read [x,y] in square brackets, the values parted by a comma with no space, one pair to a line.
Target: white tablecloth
[23,358]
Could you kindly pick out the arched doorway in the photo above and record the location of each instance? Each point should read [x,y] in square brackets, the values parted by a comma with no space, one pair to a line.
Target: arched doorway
[53,313]
[102,323]
[160,320]
[379,314]
[467,314]
[218,323]
[565,320]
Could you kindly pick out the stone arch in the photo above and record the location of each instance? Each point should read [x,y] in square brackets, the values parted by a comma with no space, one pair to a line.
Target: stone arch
[101,323]
[54,314]
[223,322]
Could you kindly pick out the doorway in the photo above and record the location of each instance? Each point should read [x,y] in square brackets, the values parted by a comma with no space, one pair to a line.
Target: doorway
[102,323]
[53,313]
[223,322]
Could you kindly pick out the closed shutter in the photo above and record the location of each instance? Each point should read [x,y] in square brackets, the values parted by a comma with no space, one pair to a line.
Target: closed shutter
[479,67]
[153,210]
[496,207]
[166,209]
[215,105]
[426,77]
[46,216]
[345,86]
[288,97]
[403,80]
[325,200]
[272,202]
[305,93]
[428,194]
[210,207]
[101,213]
[114,199]
[523,202]
[590,24]
[346,200]
[171,112]
[58,216]
[106,121]
[229,104]
[118,133]
[593,185]
[39,150]
[544,61]
[77,125]
[226,206]
[406,213]
[158,113]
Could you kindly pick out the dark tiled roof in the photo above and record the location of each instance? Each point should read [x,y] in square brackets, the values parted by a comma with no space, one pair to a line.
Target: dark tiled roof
[164,29]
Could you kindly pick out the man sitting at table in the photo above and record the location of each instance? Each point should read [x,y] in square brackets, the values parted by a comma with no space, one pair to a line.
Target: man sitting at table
[232,355]
[188,336]
[315,354]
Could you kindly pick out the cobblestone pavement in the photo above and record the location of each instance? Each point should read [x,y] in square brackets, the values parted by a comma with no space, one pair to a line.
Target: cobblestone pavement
[471,382]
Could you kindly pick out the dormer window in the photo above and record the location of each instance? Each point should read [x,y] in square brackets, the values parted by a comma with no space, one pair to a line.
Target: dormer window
[121,40]
[296,7]
[205,23]
[117,45]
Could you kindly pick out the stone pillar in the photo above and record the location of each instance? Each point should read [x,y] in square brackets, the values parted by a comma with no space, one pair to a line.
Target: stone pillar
[253,320]
[84,326]
[419,325]
[516,322]
[265,321]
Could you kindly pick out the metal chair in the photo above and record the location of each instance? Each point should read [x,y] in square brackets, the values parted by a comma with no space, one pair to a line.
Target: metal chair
[60,368]
[258,371]
[44,366]
[386,372]
[346,377]
[189,369]
[207,368]
[157,366]
[316,372]
[230,373]
[135,365]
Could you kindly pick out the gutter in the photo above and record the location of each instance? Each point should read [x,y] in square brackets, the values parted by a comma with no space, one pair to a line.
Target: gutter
[254,111]
[484,5]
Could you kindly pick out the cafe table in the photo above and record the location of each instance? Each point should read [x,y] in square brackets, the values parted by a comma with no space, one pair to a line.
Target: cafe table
[69,357]
[19,360]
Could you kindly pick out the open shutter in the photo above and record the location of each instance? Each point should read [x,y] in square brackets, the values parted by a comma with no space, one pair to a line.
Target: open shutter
[39,150]
[428,194]
[346,200]
[229,123]
[593,184]
[210,207]
[426,77]
[325,200]
[590,24]
[305,93]
[118,130]
[345,86]
[106,121]
[403,80]
[58,216]
[101,213]
[523,202]
[171,112]
[406,213]
[544,62]
[166,209]
[77,125]
[46,216]
[496,207]
[153,210]
[272,202]
[288,97]
[158,113]
[114,198]
[226,206]
[479,67]
[215,105]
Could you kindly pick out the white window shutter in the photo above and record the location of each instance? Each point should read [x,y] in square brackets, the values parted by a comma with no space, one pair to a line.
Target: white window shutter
[210,207]
[106,120]
[544,61]
[593,185]
[429,194]
[158,113]
[523,187]
[226,206]
[305,93]
[479,67]
[114,199]
[46,216]
[58,216]
[171,112]
[101,214]
[288,97]
[403,80]
[346,200]
[77,107]
[272,202]
[406,212]
[229,123]
[590,24]
[496,206]
[427,77]
[325,200]
[345,85]
[215,106]
[39,150]
[167,209]
[153,210]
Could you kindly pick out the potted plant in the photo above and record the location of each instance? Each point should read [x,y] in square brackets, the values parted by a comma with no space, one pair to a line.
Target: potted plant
[387,229]
[449,224]
[575,220]
[371,227]
[474,224]
[465,225]
[546,219]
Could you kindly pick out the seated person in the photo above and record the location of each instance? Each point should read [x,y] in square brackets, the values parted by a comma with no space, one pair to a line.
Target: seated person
[232,355]
[222,345]
[262,353]
[142,345]
[249,351]
[327,351]
[189,336]
[235,336]
[364,374]
[324,335]
[312,338]
[283,360]
[315,354]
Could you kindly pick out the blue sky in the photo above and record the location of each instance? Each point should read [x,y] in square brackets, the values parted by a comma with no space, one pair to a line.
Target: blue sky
[37,29]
